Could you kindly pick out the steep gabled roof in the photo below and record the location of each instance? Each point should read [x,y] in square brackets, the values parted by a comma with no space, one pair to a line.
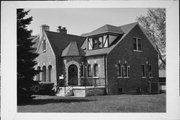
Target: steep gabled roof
[105,29]
[124,28]
[72,50]
[60,41]
[36,40]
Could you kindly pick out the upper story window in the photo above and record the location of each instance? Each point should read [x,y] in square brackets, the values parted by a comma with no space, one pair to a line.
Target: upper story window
[98,42]
[44,46]
[137,44]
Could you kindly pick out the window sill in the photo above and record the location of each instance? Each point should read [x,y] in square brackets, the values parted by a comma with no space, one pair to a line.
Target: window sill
[143,77]
[137,50]
[122,77]
[119,77]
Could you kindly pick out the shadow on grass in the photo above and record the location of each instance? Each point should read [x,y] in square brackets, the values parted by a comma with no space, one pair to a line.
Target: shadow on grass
[55,100]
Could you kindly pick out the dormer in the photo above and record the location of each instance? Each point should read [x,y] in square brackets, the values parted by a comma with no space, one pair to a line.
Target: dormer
[103,37]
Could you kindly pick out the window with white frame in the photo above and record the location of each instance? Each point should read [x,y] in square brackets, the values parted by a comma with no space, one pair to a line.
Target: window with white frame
[95,70]
[123,70]
[137,44]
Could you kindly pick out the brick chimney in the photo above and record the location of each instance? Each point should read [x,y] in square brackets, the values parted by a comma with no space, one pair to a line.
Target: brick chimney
[44,27]
[62,30]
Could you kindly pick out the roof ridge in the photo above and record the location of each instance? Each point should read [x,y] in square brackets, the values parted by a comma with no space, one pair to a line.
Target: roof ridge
[64,34]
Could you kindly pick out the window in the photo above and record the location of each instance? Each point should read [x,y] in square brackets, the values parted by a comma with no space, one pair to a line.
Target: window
[90,43]
[119,70]
[82,70]
[143,70]
[95,69]
[89,70]
[44,45]
[44,74]
[137,44]
[98,42]
[49,72]
[38,75]
[123,70]
[150,71]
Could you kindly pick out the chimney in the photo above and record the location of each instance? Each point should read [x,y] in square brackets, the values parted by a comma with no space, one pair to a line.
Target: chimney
[62,30]
[44,27]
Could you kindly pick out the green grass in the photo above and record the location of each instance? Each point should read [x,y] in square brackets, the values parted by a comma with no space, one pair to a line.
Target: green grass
[109,103]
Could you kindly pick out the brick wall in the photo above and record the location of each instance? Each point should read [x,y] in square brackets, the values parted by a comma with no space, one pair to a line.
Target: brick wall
[124,52]
[45,59]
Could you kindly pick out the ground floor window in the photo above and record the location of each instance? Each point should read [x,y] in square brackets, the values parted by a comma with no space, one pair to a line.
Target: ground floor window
[44,74]
[49,72]
[150,70]
[95,69]
[82,71]
[143,71]
[123,70]
[38,75]
[89,70]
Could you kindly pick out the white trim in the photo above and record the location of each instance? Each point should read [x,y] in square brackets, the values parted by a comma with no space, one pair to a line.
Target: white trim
[142,29]
[137,50]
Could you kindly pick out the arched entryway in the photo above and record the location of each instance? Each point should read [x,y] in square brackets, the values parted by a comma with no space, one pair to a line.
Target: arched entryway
[73,75]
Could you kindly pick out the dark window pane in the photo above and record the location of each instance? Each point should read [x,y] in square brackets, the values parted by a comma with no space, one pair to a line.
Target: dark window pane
[134,44]
[139,44]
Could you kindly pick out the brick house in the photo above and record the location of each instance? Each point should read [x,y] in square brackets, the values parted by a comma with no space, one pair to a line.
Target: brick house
[119,59]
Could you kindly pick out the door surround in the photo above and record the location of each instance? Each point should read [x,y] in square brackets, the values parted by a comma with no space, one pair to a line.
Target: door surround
[67,70]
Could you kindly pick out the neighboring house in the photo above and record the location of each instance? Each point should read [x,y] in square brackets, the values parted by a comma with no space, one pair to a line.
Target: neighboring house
[120,59]
[162,80]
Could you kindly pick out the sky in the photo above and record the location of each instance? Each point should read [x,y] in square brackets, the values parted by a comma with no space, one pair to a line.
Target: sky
[82,20]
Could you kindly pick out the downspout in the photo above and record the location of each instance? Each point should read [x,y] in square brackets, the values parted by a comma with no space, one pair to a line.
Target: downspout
[106,81]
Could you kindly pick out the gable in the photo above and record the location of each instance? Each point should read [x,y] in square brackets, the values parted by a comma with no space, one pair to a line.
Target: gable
[126,41]
[60,41]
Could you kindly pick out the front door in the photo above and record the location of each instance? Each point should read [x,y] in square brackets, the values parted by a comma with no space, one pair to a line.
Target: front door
[73,75]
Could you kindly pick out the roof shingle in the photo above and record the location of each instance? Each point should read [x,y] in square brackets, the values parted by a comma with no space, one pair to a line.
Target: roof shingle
[60,41]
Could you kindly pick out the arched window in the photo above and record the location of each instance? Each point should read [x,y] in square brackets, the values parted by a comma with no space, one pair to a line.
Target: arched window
[95,69]
[44,74]
[49,73]
[82,70]
[119,70]
[89,70]
[44,45]
[38,75]
[126,70]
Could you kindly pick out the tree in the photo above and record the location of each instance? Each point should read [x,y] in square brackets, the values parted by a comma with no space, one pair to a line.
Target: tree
[155,25]
[25,56]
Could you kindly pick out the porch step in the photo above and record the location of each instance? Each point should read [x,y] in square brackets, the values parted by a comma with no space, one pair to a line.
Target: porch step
[65,91]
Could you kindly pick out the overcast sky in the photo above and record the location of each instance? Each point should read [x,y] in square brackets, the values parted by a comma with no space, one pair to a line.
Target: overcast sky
[82,20]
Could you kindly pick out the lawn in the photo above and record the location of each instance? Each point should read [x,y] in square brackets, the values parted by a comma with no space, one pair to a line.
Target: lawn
[109,103]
